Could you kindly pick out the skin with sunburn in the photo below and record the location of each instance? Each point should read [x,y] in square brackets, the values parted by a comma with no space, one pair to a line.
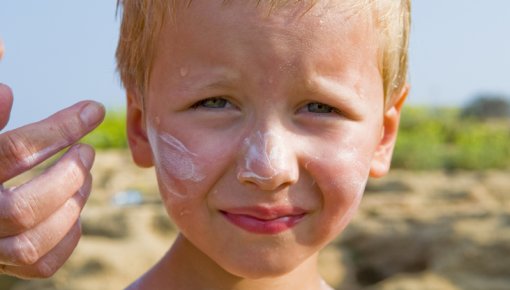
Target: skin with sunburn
[277,121]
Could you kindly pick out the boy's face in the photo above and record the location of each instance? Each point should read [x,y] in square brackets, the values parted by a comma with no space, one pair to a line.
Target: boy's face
[263,128]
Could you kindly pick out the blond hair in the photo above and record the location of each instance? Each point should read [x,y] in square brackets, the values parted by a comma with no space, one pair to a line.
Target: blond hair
[142,20]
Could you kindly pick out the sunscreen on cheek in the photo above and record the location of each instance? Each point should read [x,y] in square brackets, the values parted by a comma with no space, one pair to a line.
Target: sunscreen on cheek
[175,164]
[177,160]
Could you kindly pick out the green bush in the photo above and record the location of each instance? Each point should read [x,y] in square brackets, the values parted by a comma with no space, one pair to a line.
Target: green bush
[111,133]
[481,146]
[440,139]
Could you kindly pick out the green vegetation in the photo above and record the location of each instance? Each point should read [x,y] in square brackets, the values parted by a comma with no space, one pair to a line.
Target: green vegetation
[111,133]
[441,138]
[429,138]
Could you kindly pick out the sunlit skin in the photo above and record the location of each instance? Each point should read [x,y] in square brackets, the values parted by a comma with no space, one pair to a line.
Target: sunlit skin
[276,121]
[1,49]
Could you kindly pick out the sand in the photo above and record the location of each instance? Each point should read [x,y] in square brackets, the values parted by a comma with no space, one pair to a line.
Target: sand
[414,230]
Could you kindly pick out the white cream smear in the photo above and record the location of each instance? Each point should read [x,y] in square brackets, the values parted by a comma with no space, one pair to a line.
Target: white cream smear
[263,156]
[178,160]
[40,155]
[174,161]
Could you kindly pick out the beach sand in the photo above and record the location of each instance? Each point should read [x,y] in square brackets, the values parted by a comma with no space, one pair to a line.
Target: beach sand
[414,230]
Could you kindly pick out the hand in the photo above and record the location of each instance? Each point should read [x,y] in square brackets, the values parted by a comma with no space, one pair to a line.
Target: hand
[39,220]
[1,49]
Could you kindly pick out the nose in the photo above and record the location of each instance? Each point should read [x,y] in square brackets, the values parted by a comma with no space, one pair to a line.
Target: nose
[267,161]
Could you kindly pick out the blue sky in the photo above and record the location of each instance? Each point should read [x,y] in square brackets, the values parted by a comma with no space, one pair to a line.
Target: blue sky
[59,52]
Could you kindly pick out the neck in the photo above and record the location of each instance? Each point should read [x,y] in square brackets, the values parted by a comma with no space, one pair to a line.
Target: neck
[185,267]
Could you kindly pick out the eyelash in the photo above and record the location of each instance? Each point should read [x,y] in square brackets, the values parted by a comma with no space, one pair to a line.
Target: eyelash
[202,103]
[223,103]
[323,108]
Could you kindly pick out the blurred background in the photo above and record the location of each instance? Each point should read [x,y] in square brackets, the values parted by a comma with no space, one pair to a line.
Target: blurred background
[440,220]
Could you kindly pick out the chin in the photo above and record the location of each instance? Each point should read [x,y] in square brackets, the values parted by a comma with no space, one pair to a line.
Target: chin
[260,272]
[254,269]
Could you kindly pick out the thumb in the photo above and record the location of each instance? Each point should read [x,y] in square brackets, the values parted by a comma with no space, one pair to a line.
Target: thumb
[5,104]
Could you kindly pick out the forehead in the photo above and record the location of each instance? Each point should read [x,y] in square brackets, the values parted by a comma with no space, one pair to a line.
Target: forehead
[299,24]
[287,44]
[267,10]
[290,48]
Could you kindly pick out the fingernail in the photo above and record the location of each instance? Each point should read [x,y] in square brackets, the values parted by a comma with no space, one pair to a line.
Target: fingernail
[86,155]
[92,113]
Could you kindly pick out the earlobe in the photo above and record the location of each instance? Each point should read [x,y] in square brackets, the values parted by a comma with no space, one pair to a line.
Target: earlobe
[382,157]
[137,133]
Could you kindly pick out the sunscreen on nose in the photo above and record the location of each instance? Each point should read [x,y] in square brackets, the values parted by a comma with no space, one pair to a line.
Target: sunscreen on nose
[263,158]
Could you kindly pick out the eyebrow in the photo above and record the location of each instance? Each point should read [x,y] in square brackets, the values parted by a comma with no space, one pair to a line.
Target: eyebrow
[337,94]
[219,78]
[331,87]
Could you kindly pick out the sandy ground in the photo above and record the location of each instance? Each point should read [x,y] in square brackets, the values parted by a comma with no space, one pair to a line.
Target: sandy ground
[414,230]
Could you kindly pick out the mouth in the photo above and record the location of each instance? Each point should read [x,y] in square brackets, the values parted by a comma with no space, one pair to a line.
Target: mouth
[263,220]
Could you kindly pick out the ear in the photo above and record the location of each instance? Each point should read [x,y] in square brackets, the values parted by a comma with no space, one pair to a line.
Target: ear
[382,157]
[136,132]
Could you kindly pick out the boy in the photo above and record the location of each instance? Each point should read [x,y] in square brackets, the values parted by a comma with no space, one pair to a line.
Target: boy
[264,120]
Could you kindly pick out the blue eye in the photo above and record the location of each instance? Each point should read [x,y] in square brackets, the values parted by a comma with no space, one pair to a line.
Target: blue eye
[212,103]
[320,108]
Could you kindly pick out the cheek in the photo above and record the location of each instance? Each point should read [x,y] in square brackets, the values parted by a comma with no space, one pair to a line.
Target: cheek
[177,167]
[184,171]
[341,173]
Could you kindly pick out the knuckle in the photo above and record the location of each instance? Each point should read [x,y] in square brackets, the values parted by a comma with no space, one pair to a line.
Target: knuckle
[68,132]
[24,251]
[75,175]
[17,215]
[16,151]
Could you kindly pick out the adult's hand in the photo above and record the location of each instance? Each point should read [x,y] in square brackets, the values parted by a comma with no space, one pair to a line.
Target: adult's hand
[1,49]
[39,220]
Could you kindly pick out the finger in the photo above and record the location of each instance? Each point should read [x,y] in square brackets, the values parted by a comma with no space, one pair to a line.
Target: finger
[51,262]
[26,206]
[1,49]
[25,147]
[5,105]
[27,248]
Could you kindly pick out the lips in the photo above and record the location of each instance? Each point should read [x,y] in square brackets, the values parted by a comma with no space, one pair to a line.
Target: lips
[264,220]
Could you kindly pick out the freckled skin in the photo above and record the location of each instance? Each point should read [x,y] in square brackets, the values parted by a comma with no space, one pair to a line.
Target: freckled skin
[281,111]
